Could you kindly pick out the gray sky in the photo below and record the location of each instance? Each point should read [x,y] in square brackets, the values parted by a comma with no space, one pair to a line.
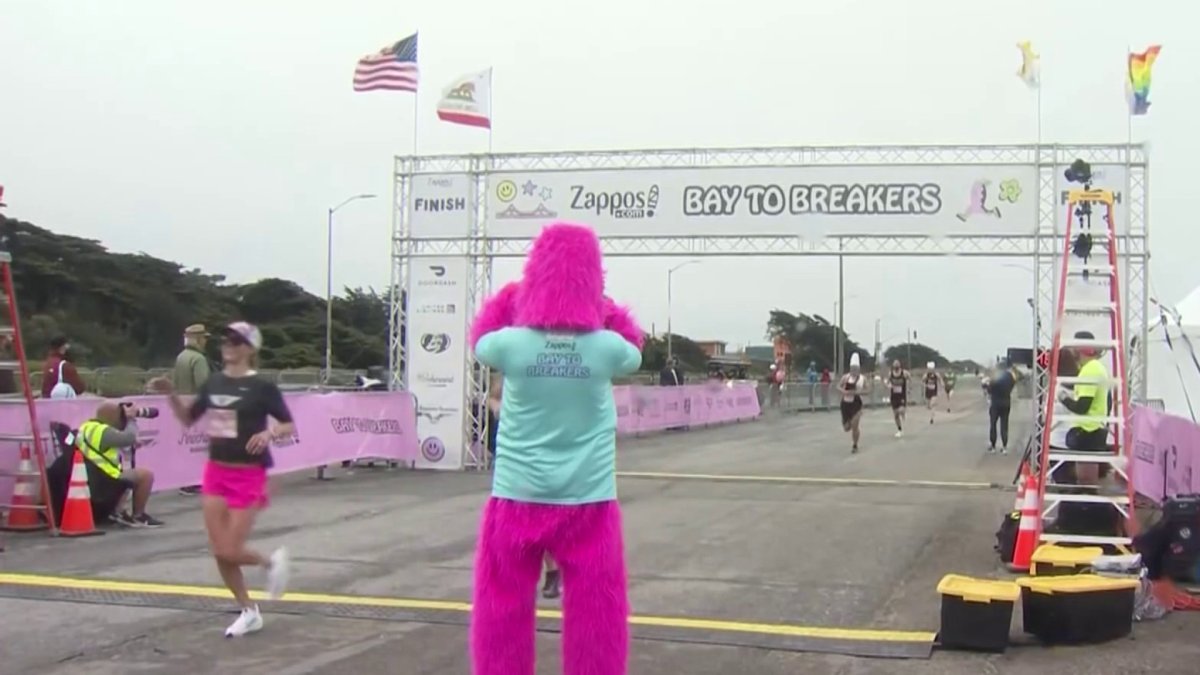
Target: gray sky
[216,134]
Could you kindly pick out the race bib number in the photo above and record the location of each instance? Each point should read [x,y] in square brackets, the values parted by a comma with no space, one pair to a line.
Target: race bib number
[897,389]
[222,423]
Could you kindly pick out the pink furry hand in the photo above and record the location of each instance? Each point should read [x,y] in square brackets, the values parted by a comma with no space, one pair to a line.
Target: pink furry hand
[498,311]
[619,319]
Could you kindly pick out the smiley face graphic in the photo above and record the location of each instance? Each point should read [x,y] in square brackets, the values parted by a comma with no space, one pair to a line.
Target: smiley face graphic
[506,191]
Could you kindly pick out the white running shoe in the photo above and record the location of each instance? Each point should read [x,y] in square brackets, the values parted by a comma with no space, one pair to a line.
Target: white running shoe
[249,621]
[277,575]
[900,434]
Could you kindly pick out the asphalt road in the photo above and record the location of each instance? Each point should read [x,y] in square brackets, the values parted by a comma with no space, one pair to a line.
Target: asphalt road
[770,522]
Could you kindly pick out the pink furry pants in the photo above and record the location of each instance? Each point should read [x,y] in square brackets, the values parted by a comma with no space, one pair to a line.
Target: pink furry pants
[586,542]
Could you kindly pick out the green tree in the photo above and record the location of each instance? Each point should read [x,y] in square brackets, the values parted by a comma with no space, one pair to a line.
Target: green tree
[812,338]
[691,357]
[915,355]
[131,309]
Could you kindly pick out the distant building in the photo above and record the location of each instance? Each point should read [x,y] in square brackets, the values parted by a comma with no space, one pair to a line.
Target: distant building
[761,353]
[712,348]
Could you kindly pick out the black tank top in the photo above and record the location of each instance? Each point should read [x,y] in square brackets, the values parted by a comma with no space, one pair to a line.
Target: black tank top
[931,381]
[899,383]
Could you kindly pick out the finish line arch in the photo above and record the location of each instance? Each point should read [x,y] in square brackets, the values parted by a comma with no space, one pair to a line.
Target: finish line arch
[453,215]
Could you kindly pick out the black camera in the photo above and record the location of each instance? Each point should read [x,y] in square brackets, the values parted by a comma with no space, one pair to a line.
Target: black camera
[139,412]
[1079,172]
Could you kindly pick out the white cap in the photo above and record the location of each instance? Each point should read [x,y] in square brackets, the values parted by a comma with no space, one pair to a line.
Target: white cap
[854,362]
[931,365]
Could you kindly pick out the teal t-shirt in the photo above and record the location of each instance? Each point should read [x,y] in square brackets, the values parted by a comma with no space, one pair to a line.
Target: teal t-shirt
[557,442]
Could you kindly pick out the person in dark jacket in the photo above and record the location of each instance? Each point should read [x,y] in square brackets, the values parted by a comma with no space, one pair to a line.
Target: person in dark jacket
[671,375]
[58,359]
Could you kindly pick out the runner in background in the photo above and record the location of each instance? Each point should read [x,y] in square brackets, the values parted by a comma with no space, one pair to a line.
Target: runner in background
[898,386]
[949,379]
[851,388]
[931,387]
[553,587]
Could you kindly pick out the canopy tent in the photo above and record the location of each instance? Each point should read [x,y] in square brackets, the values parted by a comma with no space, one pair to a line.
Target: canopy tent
[1173,358]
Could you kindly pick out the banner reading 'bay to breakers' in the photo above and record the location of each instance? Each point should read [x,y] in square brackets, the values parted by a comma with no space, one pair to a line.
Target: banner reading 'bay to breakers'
[809,202]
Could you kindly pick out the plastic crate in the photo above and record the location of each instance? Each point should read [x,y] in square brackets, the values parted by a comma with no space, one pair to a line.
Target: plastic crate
[976,613]
[1052,560]
[1081,609]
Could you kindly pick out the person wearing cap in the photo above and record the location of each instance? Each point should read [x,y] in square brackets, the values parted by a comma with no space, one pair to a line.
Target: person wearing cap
[237,405]
[932,380]
[851,387]
[191,370]
[1090,401]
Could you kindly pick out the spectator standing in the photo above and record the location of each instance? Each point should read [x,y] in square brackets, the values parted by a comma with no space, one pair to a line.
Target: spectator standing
[191,371]
[671,375]
[58,370]
[826,381]
[811,376]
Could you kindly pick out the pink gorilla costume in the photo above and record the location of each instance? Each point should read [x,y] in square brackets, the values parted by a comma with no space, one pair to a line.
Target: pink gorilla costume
[561,292]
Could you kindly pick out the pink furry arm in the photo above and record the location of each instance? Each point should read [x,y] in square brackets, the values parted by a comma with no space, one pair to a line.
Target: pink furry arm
[619,319]
[497,312]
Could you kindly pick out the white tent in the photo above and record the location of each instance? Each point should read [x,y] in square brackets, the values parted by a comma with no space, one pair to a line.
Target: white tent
[1173,358]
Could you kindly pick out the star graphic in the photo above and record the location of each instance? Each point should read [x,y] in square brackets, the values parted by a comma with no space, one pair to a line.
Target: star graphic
[546,193]
[529,187]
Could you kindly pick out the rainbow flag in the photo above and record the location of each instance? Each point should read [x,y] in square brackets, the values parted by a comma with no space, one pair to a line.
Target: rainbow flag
[1138,83]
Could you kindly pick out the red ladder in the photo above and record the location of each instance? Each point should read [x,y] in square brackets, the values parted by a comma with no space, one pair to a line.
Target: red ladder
[11,439]
[1078,275]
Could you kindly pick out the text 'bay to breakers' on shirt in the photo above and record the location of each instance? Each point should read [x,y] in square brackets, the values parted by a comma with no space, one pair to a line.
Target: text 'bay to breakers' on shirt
[558,421]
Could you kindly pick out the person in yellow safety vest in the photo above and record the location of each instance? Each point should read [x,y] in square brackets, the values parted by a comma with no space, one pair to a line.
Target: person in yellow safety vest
[1090,401]
[101,440]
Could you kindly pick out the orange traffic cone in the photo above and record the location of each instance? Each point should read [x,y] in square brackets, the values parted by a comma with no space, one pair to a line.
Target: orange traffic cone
[23,511]
[77,518]
[1021,483]
[1031,512]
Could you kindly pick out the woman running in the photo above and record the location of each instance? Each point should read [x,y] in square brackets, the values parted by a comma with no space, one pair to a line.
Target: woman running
[236,403]
[852,403]
[898,384]
[932,379]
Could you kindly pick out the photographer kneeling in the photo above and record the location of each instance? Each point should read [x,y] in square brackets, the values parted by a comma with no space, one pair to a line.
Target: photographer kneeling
[101,440]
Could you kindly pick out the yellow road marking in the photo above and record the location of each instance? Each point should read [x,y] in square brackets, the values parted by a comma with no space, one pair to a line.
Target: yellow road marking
[788,630]
[817,480]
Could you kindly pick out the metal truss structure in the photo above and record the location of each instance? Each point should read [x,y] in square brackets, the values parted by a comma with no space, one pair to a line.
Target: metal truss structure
[1043,245]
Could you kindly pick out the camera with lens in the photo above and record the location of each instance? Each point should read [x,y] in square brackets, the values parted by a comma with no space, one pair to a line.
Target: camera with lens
[139,412]
[1079,172]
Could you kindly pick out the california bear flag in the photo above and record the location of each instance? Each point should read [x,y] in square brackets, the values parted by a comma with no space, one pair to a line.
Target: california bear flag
[468,100]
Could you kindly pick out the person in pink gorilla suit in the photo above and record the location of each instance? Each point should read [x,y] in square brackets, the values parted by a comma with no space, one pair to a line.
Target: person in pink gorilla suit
[559,342]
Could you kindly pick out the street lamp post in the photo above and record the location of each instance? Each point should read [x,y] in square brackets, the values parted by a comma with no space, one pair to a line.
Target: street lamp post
[670,275]
[329,284]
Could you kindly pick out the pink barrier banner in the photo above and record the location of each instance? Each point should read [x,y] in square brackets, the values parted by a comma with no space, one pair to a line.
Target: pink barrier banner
[330,428]
[646,409]
[1165,449]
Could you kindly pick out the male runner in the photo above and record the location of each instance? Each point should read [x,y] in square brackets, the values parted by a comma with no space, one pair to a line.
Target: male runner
[949,379]
[932,379]
[898,385]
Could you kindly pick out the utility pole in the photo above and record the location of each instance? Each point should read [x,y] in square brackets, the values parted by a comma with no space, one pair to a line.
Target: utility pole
[878,346]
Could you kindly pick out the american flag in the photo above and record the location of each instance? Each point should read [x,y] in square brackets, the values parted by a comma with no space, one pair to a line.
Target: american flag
[393,68]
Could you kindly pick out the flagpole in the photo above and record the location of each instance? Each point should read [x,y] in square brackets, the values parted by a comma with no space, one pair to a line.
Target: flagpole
[491,110]
[416,120]
[1128,111]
